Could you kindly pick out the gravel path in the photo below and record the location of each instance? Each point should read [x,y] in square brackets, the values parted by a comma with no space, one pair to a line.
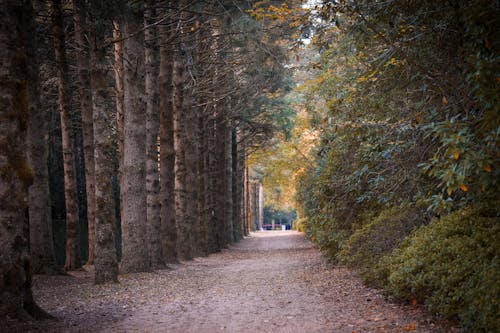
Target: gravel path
[273,281]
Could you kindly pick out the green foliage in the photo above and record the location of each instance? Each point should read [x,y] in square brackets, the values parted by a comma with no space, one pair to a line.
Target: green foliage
[404,99]
[282,216]
[452,265]
[379,237]
[300,225]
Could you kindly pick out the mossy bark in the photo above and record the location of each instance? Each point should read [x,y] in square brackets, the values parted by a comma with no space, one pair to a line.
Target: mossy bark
[16,299]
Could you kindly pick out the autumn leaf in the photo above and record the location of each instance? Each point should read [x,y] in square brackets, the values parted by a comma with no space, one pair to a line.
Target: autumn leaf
[444,100]
[411,327]
[414,301]
[456,155]
[487,168]
[464,187]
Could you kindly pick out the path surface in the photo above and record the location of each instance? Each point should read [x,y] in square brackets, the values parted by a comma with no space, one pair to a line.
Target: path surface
[274,281]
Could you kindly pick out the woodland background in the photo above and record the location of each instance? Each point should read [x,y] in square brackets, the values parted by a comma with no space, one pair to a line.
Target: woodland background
[139,133]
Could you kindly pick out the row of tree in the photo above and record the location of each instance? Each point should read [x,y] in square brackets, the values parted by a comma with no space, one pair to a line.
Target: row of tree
[159,105]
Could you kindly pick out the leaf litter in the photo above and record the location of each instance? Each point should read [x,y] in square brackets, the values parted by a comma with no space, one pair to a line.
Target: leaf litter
[273,281]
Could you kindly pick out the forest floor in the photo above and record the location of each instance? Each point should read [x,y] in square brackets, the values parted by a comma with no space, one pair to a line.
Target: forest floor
[273,281]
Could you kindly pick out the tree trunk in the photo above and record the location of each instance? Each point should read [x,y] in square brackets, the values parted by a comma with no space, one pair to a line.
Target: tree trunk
[179,105]
[40,217]
[236,190]
[248,210]
[220,181]
[82,64]
[228,182]
[105,261]
[152,127]
[167,154]
[16,175]
[118,70]
[203,186]
[135,242]
[211,193]
[241,183]
[70,190]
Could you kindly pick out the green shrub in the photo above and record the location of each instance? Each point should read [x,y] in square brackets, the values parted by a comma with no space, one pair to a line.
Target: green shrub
[453,266]
[300,224]
[324,232]
[381,236]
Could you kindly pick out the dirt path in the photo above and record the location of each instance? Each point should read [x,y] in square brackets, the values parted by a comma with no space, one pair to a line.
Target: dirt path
[274,281]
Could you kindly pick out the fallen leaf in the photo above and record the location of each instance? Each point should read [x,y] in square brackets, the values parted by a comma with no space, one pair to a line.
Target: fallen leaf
[464,187]
[411,327]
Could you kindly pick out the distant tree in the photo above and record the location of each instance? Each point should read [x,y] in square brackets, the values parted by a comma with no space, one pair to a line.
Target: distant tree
[152,128]
[70,190]
[181,105]
[167,153]
[85,98]
[40,217]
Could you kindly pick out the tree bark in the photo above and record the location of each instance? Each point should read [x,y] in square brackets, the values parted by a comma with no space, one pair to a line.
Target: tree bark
[135,242]
[152,127]
[16,175]
[203,185]
[82,64]
[167,154]
[179,107]
[118,70]
[211,193]
[236,189]
[40,217]
[70,190]
[105,260]
[228,182]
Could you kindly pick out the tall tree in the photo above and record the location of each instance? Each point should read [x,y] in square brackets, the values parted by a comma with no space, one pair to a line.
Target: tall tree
[135,243]
[70,191]
[82,64]
[118,70]
[16,175]
[152,128]
[40,217]
[191,137]
[167,154]
[179,106]
[105,261]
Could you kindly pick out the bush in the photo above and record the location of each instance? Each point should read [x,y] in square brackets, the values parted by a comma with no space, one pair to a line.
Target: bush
[300,224]
[377,238]
[324,232]
[452,265]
